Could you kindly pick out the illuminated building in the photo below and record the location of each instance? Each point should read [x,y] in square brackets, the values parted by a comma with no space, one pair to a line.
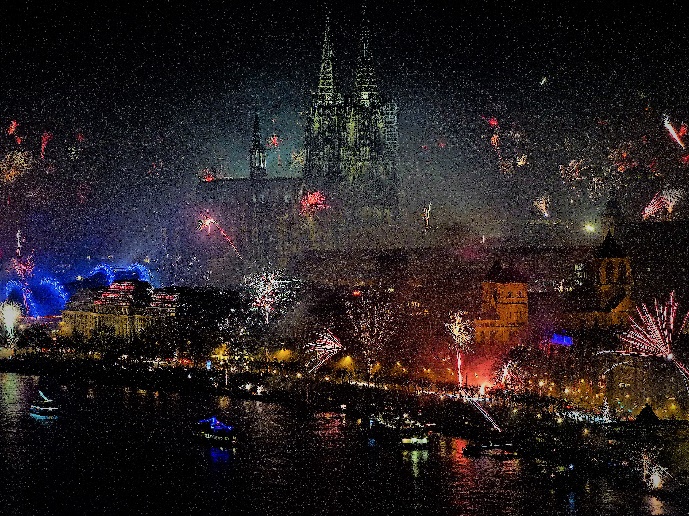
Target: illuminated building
[503,321]
[127,307]
[504,307]
[603,299]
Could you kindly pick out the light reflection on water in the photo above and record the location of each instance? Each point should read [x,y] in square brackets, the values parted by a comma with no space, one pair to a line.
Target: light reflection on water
[288,461]
[416,458]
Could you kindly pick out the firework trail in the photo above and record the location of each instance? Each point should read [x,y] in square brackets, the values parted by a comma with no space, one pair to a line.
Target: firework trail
[44,142]
[656,205]
[326,346]
[483,411]
[208,222]
[542,204]
[462,331]
[671,130]
[13,127]
[427,216]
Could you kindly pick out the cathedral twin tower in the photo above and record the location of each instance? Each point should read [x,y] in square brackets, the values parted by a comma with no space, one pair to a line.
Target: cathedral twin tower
[351,142]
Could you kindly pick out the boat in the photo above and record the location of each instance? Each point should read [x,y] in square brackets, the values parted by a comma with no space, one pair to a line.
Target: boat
[215,431]
[399,430]
[44,408]
[414,435]
[498,449]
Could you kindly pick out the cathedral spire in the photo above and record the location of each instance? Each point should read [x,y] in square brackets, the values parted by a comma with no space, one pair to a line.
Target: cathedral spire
[326,83]
[365,81]
[257,154]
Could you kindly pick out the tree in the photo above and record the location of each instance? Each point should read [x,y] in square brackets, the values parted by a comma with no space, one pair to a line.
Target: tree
[35,336]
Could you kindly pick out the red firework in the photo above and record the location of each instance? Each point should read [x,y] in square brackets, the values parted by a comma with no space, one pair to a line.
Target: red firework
[311,203]
[326,346]
[44,142]
[208,222]
[654,333]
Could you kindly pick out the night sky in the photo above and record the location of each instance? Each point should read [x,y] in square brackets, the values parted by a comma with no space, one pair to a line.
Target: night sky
[141,97]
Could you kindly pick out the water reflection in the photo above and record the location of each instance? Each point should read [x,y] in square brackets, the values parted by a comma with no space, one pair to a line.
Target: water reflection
[416,458]
[288,461]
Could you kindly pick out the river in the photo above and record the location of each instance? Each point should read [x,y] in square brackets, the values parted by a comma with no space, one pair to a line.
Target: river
[117,450]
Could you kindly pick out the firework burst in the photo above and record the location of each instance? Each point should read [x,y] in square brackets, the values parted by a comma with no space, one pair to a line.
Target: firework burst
[672,197]
[269,290]
[15,164]
[10,313]
[665,200]
[326,346]
[462,331]
[311,203]
[653,333]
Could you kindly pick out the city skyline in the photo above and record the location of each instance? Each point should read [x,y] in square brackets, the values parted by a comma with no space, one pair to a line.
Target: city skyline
[501,108]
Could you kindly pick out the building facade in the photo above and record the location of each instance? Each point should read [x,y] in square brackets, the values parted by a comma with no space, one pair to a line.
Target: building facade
[126,307]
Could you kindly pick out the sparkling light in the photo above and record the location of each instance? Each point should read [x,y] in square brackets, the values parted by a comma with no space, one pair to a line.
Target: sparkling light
[325,347]
[269,290]
[312,202]
[462,331]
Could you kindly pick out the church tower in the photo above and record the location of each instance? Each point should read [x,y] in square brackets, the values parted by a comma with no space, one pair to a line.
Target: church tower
[257,154]
[323,133]
[614,273]
[260,229]
[612,216]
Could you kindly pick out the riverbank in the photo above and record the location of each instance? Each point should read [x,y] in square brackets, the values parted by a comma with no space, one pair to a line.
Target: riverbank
[358,399]
[576,451]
